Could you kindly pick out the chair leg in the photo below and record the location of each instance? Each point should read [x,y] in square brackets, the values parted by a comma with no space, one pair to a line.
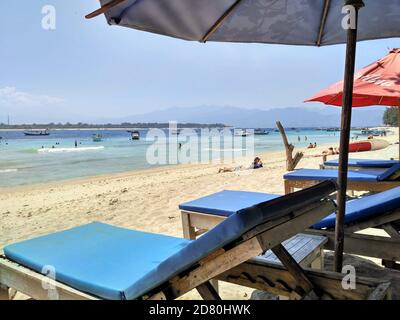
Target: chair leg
[392,230]
[390,264]
[318,263]
[207,291]
[288,187]
[4,293]
[305,284]
[189,231]
[215,284]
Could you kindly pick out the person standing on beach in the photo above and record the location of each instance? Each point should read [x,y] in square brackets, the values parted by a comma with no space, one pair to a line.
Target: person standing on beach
[76,144]
[298,138]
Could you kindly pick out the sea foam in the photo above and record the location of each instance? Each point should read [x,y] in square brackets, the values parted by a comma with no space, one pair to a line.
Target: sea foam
[8,170]
[61,150]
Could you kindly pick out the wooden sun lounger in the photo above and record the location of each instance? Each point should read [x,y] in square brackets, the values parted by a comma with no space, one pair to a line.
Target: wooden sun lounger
[268,235]
[389,182]
[292,185]
[251,244]
[378,186]
[385,248]
[277,280]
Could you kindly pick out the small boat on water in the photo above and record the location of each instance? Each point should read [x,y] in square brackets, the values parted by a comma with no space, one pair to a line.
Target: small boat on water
[242,133]
[376,133]
[368,145]
[260,132]
[97,137]
[135,135]
[37,132]
[175,131]
[332,129]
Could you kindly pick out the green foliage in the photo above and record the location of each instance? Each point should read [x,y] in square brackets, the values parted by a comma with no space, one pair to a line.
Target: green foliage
[390,116]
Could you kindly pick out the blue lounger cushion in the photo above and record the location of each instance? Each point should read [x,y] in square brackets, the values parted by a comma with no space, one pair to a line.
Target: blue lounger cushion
[356,210]
[226,202]
[365,207]
[365,163]
[116,263]
[372,175]
[97,258]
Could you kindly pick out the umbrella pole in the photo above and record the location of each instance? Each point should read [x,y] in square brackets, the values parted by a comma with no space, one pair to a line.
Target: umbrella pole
[398,124]
[345,135]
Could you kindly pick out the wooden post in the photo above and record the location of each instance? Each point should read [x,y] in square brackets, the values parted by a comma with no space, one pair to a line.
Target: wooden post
[188,230]
[345,133]
[208,292]
[295,270]
[4,294]
[291,162]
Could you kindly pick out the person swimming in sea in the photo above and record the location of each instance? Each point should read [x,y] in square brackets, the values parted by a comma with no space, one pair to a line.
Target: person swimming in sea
[76,144]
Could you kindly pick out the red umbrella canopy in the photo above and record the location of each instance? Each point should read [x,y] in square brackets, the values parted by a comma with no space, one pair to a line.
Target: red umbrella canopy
[376,84]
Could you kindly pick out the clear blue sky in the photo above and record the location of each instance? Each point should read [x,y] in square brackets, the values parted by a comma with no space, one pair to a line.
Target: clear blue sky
[87,69]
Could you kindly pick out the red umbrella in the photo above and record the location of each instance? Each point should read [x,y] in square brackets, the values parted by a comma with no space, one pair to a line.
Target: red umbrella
[376,84]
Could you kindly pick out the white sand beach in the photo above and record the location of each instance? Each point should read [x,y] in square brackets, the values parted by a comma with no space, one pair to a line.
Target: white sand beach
[144,200]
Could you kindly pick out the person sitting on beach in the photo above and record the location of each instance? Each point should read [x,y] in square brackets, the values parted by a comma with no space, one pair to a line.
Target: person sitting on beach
[315,144]
[230,169]
[328,152]
[336,151]
[256,164]
[310,146]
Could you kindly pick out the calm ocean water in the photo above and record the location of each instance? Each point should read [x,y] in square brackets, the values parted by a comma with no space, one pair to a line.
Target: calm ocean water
[23,160]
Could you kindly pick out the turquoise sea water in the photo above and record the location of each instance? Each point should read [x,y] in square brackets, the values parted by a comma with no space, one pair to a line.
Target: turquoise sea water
[28,160]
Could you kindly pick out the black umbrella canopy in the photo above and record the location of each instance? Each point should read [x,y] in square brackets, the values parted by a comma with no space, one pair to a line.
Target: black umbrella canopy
[291,22]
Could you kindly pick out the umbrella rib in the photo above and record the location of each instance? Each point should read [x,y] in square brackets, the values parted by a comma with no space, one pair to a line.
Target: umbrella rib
[104,8]
[220,21]
[323,22]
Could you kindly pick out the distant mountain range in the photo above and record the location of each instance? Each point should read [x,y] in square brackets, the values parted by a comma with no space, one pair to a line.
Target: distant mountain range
[310,116]
[302,116]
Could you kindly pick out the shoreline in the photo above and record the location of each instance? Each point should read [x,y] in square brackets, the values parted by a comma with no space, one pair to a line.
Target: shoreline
[137,172]
[115,175]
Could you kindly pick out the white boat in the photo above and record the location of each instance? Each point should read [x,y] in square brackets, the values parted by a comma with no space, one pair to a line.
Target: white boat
[241,133]
[175,131]
[135,135]
[37,132]
[97,137]
[261,132]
